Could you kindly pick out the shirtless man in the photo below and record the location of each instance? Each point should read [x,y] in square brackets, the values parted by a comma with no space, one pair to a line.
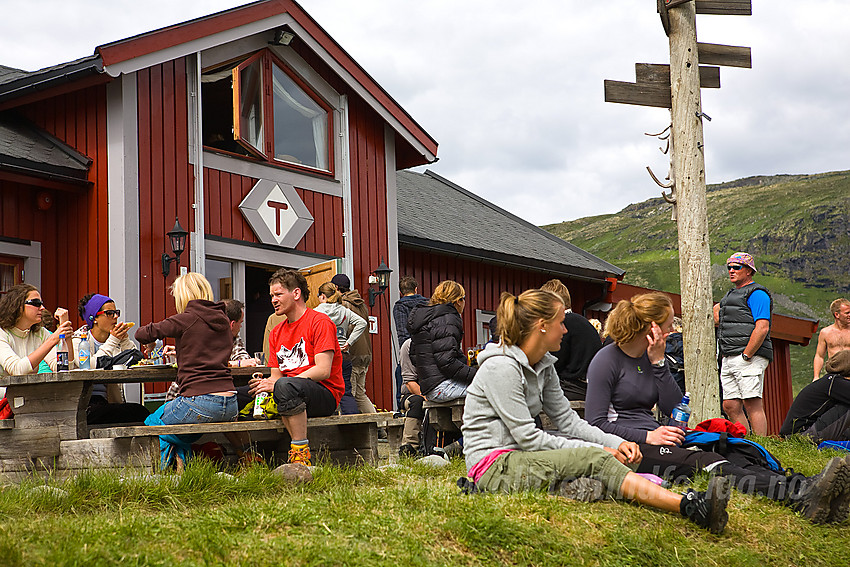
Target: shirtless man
[834,338]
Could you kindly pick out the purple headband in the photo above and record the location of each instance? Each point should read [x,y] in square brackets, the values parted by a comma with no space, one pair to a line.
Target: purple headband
[93,306]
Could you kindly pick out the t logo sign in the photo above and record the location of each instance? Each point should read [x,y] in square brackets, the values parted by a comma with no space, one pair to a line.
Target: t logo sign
[278,207]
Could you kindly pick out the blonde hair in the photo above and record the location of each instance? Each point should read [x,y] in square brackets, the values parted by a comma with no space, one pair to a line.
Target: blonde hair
[558,287]
[631,318]
[331,292]
[447,291]
[518,316]
[596,325]
[836,305]
[189,286]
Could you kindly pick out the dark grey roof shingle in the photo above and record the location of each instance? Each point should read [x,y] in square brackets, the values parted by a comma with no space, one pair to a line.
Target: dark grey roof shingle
[26,148]
[432,209]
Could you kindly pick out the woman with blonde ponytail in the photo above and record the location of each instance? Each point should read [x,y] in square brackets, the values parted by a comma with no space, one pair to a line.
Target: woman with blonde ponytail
[628,378]
[506,452]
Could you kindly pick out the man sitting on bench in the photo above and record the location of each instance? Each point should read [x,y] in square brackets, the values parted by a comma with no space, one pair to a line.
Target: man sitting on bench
[306,362]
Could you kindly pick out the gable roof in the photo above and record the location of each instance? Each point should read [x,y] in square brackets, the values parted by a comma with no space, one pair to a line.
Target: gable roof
[15,83]
[468,225]
[28,150]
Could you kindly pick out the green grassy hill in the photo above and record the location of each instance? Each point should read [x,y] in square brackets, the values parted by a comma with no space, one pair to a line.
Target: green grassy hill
[796,226]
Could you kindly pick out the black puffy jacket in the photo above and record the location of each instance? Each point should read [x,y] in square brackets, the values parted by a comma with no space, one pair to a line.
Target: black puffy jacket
[436,332]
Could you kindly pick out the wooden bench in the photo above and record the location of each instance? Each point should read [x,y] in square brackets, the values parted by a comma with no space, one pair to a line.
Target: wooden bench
[344,439]
[448,416]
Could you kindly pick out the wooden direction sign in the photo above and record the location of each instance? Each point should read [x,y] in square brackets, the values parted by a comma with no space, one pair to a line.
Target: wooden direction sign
[717,7]
[726,55]
[653,85]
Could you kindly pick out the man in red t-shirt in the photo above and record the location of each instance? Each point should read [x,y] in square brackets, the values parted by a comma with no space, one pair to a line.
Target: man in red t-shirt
[306,363]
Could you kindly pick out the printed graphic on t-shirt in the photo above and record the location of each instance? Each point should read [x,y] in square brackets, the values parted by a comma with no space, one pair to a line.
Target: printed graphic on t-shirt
[290,359]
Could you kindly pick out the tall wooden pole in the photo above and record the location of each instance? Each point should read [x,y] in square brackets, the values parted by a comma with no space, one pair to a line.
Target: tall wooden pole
[692,218]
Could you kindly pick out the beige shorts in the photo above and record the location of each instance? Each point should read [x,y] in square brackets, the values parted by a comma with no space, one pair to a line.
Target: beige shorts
[742,379]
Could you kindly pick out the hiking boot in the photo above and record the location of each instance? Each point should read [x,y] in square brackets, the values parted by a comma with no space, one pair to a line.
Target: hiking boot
[408,450]
[708,509]
[300,456]
[840,506]
[816,495]
[453,450]
[583,489]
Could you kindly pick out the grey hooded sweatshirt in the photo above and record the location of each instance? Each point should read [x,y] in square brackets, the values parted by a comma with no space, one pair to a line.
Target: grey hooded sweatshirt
[503,399]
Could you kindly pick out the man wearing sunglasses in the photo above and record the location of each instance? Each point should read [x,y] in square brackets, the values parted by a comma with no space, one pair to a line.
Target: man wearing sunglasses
[743,319]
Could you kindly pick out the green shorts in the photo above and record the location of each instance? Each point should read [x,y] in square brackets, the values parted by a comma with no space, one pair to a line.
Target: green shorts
[536,470]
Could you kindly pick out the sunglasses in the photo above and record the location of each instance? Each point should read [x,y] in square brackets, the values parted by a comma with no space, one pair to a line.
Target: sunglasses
[34,302]
[736,267]
[110,313]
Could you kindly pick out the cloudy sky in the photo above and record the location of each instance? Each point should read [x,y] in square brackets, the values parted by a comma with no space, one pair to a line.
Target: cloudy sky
[513,92]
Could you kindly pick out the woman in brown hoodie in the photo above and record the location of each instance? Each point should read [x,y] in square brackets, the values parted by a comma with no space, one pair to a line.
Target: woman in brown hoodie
[201,332]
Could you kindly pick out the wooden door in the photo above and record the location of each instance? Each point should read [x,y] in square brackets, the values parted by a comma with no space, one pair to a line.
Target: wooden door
[317,275]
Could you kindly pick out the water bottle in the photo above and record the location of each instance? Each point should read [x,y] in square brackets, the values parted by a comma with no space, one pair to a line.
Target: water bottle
[85,352]
[681,414]
[62,355]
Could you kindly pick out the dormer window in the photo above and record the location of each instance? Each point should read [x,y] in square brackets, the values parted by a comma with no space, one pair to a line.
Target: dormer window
[275,116]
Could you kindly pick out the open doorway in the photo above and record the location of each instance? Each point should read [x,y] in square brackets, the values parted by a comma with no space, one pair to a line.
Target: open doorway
[258,306]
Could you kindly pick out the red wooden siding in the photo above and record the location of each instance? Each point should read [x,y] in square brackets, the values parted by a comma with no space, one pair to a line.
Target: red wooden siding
[166,183]
[483,282]
[224,191]
[369,232]
[73,232]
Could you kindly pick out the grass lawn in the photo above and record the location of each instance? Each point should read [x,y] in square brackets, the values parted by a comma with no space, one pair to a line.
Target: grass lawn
[409,515]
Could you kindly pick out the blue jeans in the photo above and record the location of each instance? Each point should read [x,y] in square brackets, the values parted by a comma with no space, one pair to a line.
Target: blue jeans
[207,408]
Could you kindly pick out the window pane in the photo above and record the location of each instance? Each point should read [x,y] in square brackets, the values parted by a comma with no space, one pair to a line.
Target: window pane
[220,276]
[300,124]
[217,114]
[251,105]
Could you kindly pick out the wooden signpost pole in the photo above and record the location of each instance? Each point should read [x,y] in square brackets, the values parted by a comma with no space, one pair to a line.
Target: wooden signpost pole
[686,180]
[692,216]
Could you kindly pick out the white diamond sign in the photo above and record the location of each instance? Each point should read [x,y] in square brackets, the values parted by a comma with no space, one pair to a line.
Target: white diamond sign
[276,213]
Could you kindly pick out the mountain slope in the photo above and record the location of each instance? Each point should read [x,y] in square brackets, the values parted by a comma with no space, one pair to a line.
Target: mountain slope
[796,227]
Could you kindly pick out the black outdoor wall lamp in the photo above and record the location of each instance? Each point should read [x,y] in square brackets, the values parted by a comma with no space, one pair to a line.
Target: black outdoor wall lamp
[177,236]
[381,278]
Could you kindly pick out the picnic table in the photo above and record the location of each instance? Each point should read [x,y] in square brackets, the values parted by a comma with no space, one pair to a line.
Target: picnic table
[49,433]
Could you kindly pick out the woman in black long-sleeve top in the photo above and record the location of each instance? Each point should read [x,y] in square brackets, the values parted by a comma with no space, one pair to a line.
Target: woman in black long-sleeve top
[436,332]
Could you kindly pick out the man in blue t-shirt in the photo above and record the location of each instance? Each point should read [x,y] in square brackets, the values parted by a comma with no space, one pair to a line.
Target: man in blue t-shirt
[743,319]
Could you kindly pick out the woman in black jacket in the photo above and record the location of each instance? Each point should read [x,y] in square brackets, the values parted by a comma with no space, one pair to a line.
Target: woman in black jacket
[436,331]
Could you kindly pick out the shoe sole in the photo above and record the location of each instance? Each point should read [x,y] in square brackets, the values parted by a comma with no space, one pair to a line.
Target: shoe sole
[831,486]
[583,489]
[839,508]
[719,492]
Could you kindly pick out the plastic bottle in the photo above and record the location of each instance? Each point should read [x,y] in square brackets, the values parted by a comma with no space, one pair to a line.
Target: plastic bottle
[85,352]
[681,414]
[62,355]
[260,399]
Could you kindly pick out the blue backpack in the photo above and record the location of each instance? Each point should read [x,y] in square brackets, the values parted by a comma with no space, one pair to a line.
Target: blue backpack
[722,444]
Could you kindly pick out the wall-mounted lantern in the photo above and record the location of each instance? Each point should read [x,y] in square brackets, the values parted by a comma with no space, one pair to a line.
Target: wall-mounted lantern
[177,236]
[381,278]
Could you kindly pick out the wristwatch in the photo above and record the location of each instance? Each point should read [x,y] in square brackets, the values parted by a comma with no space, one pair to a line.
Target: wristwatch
[745,357]
[659,364]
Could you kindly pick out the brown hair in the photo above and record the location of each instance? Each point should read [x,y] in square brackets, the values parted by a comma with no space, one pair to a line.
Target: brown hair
[557,286]
[233,308]
[407,285]
[329,290]
[517,316]
[836,305]
[447,291]
[631,318]
[12,305]
[290,279]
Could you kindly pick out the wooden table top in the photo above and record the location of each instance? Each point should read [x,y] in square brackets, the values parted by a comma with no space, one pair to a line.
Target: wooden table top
[135,374]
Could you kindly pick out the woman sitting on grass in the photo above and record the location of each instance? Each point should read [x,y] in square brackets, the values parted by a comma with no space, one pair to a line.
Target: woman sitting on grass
[516,380]
[201,332]
[628,378]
